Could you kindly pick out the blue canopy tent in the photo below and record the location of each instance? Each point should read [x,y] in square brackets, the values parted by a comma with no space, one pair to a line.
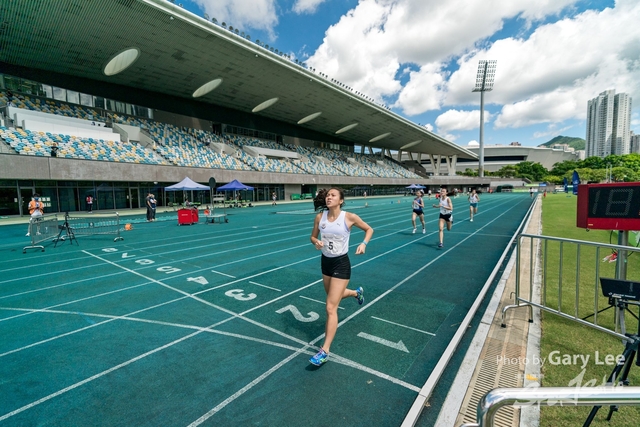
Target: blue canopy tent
[415,186]
[234,186]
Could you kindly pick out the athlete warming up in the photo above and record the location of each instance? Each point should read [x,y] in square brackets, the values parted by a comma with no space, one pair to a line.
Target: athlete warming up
[446,214]
[334,226]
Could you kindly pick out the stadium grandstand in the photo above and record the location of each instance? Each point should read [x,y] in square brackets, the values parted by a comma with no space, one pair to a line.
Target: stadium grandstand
[134,113]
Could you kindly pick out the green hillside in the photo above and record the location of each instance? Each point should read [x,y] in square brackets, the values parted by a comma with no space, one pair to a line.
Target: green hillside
[575,143]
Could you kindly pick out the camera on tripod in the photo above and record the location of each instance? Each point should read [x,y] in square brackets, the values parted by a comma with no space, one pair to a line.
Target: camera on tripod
[620,289]
[66,232]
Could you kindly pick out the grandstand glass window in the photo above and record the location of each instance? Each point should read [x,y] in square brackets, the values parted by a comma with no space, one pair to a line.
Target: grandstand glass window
[73,97]
[8,201]
[48,91]
[143,111]
[99,102]
[11,83]
[59,94]
[86,100]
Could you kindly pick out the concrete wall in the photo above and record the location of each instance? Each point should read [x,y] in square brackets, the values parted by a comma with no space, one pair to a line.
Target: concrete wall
[290,189]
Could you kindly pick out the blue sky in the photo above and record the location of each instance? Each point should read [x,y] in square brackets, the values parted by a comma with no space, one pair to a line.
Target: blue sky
[420,57]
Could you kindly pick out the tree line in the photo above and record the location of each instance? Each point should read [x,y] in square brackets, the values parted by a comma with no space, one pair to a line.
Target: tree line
[625,168]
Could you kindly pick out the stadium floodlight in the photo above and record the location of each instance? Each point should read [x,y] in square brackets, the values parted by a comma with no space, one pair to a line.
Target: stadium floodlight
[484,83]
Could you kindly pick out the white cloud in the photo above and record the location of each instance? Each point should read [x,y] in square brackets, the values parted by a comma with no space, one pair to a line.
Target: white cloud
[366,48]
[353,52]
[429,127]
[424,91]
[460,120]
[306,6]
[246,14]
[550,76]
[449,137]
[401,52]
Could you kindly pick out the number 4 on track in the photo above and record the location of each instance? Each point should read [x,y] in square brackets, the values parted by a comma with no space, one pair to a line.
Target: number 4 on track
[200,279]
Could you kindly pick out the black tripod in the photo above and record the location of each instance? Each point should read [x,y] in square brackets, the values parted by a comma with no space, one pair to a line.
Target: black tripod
[612,304]
[630,353]
[67,230]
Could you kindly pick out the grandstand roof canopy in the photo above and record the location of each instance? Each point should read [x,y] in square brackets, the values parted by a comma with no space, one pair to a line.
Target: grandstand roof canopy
[180,52]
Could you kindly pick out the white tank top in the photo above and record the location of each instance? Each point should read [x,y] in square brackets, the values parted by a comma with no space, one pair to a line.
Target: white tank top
[473,198]
[445,206]
[335,235]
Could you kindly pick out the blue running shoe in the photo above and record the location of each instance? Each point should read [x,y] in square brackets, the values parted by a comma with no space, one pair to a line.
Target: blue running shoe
[319,358]
[360,295]
[440,245]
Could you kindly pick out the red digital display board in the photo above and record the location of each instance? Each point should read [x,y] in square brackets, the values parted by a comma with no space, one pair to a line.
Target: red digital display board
[614,206]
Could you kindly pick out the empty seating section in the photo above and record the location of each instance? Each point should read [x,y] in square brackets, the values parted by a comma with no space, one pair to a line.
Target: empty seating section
[39,144]
[185,146]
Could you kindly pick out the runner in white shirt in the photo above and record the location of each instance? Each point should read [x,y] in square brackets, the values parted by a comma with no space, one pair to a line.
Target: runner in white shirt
[335,227]
[474,198]
[446,214]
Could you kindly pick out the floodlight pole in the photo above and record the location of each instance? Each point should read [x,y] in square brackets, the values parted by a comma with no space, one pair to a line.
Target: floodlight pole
[481,152]
[484,83]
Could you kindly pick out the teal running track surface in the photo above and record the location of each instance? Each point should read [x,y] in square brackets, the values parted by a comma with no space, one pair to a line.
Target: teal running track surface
[213,324]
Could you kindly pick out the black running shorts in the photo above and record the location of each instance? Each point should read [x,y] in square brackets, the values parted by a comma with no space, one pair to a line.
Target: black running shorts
[446,217]
[338,267]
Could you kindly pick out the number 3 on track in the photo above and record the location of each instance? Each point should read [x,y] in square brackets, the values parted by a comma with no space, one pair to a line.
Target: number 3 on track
[237,294]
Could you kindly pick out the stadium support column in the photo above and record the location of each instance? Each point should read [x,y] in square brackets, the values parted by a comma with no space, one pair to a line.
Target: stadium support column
[435,164]
[484,83]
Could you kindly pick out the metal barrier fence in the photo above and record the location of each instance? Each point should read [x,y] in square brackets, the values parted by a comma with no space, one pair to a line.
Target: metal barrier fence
[567,280]
[561,396]
[41,229]
[89,226]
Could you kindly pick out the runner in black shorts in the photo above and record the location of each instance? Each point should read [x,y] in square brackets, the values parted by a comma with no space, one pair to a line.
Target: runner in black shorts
[446,214]
[418,206]
[334,226]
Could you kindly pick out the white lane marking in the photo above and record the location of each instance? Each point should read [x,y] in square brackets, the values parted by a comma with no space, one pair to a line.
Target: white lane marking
[94,377]
[403,326]
[264,286]
[395,345]
[223,274]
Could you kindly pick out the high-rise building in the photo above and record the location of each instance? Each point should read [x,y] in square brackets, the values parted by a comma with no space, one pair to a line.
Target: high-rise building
[635,143]
[608,124]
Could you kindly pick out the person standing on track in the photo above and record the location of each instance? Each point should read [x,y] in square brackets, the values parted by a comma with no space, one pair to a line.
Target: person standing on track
[418,211]
[334,225]
[474,198]
[147,202]
[446,214]
[36,210]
